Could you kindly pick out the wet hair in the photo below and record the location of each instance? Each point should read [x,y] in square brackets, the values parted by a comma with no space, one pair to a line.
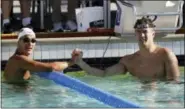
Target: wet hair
[143,22]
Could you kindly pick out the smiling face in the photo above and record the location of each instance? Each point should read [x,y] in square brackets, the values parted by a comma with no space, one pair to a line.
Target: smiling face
[26,44]
[144,31]
[145,36]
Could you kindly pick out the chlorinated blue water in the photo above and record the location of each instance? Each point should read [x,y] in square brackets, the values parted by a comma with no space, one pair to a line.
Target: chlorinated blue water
[44,93]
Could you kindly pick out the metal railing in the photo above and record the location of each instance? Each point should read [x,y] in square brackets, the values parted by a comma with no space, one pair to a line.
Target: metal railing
[179,13]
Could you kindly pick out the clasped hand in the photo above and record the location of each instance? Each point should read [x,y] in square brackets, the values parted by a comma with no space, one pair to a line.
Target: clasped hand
[77,56]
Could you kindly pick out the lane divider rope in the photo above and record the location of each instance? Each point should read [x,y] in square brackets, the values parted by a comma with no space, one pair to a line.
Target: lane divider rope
[90,91]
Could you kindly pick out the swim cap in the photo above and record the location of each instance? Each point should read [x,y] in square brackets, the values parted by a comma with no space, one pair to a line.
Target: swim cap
[26,31]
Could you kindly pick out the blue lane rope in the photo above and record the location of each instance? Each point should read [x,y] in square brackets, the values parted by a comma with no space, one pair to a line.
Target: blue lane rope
[106,98]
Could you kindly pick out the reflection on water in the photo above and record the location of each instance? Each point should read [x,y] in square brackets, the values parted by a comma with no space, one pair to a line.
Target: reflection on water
[45,93]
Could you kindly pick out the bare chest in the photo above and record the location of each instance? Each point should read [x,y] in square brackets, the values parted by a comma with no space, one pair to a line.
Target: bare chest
[149,68]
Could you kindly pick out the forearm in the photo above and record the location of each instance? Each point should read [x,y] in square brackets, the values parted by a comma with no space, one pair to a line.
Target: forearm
[91,70]
[60,66]
[35,66]
[49,67]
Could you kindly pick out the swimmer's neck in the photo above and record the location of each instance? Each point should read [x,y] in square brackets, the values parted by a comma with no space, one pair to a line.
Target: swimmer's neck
[19,52]
[144,50]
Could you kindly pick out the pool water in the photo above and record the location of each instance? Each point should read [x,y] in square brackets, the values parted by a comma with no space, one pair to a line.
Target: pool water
[42,93]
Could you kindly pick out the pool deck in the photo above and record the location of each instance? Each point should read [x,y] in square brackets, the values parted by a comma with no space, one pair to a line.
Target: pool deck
[96,33]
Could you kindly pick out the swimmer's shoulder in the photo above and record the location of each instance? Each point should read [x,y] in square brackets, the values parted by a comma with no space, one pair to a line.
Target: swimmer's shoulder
[163,50]
[20,59]
[14,62]
[129,57]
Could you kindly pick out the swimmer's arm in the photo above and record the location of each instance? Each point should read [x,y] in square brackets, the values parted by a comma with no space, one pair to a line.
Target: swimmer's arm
[171,66]
[35,66]
[116,69]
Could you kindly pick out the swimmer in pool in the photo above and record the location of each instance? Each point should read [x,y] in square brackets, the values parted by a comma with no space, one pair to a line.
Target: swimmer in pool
[149,64]
[20,66]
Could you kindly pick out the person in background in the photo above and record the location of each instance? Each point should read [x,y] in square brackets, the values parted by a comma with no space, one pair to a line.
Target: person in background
[20,65]
[71,22]
[149,64]
[56,16]
[97,3]
[25,10]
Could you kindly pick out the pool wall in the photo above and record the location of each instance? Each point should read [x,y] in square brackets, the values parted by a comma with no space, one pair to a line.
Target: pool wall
[48,49]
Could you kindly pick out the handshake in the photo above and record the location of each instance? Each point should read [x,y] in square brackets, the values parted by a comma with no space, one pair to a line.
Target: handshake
[76,56]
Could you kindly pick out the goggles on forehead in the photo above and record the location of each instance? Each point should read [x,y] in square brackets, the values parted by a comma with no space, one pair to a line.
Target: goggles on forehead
[142,26]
